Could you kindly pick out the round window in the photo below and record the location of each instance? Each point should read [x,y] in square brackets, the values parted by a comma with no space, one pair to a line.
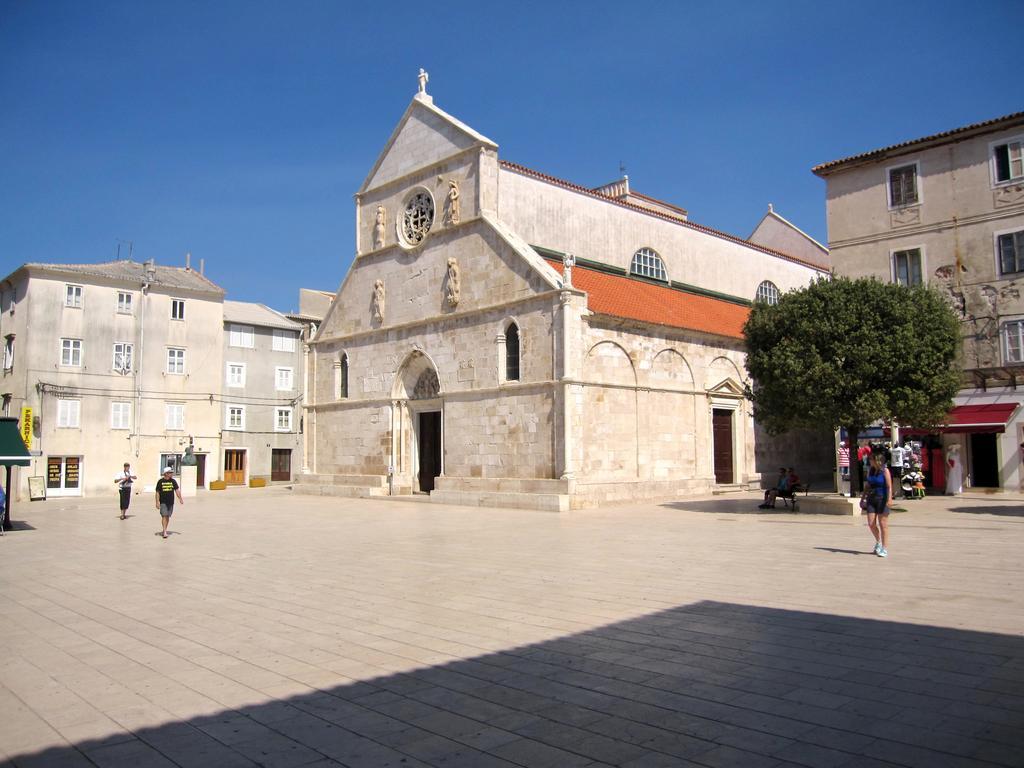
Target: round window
[417,217]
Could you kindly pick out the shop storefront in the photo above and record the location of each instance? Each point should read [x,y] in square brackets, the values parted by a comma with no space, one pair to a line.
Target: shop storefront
[63,475]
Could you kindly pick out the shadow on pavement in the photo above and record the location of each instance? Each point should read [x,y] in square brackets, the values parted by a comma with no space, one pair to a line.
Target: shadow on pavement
[707,684]
[732,506]
[1008,509]
[844,551]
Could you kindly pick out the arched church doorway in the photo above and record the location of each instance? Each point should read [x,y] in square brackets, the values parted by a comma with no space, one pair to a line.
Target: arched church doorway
[418,395]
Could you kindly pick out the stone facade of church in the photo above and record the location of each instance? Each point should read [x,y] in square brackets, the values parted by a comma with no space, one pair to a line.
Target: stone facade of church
[507,338]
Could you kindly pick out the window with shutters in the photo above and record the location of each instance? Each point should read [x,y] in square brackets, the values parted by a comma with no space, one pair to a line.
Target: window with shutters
[903,186]
[1008,161]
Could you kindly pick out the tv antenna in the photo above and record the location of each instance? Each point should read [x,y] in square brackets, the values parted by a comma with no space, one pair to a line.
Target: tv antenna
[131,248]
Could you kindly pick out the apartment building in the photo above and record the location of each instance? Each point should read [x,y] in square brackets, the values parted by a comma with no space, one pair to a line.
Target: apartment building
[112,362]
[948,210]
[262,394]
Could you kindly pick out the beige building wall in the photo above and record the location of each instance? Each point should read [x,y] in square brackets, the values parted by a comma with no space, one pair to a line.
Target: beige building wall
[774,231]
[961,210]
[546,214]
[35,310]
[259,395]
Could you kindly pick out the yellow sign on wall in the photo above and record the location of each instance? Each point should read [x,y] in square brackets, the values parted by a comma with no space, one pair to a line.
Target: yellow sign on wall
[26,427]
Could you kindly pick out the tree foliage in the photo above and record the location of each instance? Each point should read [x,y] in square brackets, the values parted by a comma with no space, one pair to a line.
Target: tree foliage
[845,352]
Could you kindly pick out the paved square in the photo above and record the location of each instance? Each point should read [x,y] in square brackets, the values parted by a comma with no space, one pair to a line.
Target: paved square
[281,630]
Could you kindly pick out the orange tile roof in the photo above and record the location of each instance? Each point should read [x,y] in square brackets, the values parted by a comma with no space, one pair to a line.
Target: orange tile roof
[622,296]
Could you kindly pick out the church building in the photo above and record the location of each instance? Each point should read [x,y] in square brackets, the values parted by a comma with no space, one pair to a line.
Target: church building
[507,338]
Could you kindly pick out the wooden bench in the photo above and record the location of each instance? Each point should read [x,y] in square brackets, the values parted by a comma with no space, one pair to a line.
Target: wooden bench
[790,498]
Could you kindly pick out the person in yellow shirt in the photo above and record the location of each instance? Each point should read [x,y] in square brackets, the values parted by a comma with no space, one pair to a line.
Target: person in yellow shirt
[166,490]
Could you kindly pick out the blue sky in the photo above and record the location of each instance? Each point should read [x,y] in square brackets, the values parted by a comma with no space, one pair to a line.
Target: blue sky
[239,131]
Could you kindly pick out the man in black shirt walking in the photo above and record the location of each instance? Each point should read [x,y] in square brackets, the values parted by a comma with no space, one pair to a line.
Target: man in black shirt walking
[166,490]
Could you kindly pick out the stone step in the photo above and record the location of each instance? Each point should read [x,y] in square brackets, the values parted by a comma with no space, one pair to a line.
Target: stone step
[502,485]
[348,491]
[541,502]
[364,481]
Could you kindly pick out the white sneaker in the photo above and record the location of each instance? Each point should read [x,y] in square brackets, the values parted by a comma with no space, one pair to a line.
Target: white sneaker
[878,547]
[882,551]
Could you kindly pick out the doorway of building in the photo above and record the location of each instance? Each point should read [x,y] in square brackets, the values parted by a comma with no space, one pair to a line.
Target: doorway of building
[200,470]
[234,467]
[428,436]
[721,432]
[984,461]
[281,464]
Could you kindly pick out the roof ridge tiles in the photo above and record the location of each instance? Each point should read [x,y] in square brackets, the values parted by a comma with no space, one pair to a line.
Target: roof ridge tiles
[833,164]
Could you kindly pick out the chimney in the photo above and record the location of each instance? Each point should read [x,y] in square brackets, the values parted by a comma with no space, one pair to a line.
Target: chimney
[188,261]
[151,269]
[202,266]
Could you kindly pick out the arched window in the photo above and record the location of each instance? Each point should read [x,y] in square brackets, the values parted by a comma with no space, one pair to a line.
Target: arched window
[512,352]
[647,263]
[767,292]
[343,376]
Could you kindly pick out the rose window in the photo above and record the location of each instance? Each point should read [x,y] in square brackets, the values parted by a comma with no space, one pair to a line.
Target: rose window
[418,216]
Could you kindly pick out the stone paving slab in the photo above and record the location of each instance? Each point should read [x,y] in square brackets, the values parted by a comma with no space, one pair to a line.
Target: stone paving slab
[284,630]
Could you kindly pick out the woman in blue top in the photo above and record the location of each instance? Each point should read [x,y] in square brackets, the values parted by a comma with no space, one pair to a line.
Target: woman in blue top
[878,495]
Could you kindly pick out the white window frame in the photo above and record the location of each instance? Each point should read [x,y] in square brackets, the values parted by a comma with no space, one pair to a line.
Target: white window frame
[277,378]
[69,414]
[9,352]
[917,184]
[126,347]
[174,416]
[892,264]
[120,414]
[74,295]
[278,413]
[648,263]
[283,341]
[70,354]
[770,294]
[241,378]
[175,360]
[230,423]
[125,302]
[177,309]
[1017,326]
[239,333]
[995,245]
[993,168]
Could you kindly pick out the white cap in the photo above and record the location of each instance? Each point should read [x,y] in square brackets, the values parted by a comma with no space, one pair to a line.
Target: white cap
[167,469]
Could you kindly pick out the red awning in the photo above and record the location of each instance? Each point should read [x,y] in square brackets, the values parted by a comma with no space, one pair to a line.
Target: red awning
[980,418]
[991,417]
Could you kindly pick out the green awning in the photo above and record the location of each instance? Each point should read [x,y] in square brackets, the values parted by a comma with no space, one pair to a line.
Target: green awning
[12,448]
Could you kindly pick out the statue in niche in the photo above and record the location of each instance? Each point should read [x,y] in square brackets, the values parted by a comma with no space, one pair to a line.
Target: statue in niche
[454,282]
[378,228]
[378,301]
[451,205]
[568,262]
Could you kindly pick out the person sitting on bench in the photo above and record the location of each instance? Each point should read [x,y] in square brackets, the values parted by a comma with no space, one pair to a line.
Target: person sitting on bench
[781,487]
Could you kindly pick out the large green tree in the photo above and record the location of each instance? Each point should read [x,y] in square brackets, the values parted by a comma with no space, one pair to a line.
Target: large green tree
[845,353]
